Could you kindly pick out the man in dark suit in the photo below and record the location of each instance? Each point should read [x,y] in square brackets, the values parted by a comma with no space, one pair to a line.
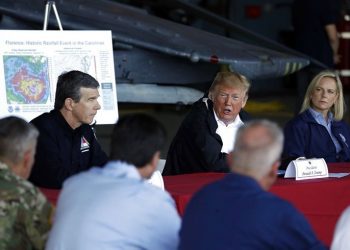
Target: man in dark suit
[207,133]
[316,35]
[237,212]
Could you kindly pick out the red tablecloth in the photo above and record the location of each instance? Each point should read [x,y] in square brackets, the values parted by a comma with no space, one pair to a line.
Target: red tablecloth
[320,200]
[51,194]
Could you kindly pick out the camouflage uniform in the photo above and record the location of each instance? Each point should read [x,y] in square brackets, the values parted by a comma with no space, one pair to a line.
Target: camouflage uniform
[24,213]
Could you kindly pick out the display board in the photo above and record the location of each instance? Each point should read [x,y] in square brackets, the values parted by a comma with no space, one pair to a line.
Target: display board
[31,62]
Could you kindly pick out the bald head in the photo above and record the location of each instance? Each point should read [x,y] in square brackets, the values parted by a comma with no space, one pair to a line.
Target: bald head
[258,146]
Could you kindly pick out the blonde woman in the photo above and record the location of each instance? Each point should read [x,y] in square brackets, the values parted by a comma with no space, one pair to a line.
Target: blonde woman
[319,131]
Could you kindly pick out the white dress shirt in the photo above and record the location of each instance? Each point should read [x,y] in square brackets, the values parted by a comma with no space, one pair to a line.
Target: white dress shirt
[228,133]
[113,208]
[341,238]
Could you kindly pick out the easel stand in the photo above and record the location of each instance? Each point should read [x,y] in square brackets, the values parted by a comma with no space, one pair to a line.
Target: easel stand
[48,6]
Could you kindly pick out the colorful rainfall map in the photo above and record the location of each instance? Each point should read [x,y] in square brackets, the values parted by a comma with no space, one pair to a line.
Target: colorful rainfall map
[27,79]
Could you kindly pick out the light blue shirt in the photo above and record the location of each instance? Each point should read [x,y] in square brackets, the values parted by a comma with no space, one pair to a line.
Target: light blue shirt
[113,208]
[320,120]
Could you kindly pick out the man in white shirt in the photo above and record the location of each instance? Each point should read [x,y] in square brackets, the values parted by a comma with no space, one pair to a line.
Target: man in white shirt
[208,132]
[341,239]
[114,207]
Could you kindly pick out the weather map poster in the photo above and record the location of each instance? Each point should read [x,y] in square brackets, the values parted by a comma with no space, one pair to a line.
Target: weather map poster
[31,61]
[26,79]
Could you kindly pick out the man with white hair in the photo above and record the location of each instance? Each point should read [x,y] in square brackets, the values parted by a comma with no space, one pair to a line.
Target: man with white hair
[237,212]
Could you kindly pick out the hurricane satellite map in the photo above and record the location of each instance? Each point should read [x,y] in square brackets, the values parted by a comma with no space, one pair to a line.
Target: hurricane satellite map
[27,79]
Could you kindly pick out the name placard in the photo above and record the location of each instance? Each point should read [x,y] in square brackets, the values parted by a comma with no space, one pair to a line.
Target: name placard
[303,169]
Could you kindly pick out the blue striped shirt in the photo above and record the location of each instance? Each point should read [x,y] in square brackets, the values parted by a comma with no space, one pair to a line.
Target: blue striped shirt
[320,120]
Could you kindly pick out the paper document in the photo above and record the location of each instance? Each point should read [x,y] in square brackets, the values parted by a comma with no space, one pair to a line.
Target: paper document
[157,179]
[338,175]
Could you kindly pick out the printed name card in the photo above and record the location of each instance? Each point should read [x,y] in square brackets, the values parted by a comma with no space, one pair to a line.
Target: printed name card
[303,169]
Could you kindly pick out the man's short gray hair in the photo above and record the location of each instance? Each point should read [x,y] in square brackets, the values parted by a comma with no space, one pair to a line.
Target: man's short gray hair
[16,137]
[256,151]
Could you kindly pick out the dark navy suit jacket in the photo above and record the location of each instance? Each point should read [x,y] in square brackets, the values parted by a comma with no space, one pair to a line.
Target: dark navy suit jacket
[236,213]
[197,147]
[304,137]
